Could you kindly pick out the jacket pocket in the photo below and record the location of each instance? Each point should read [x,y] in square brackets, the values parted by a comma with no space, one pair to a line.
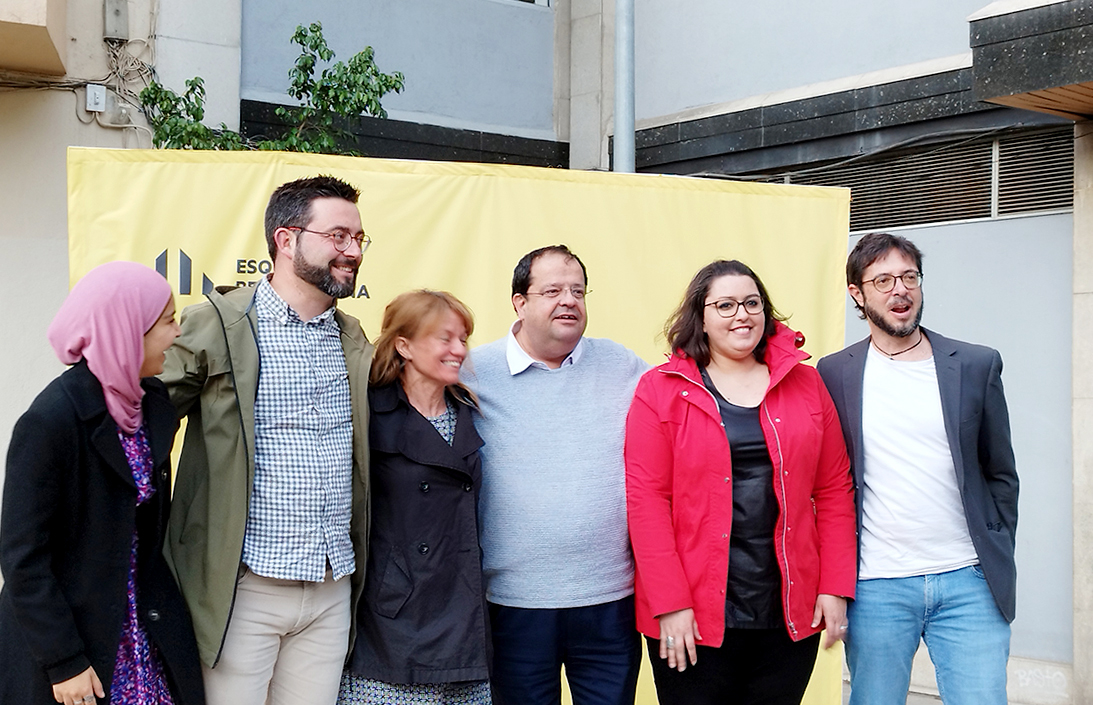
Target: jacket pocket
[395,586]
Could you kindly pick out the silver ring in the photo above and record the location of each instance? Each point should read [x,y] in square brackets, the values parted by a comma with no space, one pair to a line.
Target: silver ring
[87,699]
[671,641]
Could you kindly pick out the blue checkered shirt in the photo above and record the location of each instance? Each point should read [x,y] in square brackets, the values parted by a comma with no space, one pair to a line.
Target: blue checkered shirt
[303,455]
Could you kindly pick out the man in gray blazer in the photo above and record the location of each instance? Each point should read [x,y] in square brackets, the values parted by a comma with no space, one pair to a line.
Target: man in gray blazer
[928,435]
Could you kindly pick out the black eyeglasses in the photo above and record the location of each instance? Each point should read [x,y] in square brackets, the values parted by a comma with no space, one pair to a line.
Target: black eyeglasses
[886,282]
[578,292]
[339,238]
[726,308]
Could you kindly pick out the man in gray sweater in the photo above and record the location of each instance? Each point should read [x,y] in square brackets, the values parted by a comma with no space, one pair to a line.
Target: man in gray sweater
[556,554]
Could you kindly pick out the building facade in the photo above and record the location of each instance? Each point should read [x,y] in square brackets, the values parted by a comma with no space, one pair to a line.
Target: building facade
[961,126]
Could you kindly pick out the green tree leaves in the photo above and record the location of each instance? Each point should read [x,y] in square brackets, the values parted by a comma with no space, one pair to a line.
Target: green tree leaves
[340,93]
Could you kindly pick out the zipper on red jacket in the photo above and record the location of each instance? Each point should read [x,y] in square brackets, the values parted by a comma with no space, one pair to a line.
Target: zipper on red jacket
[785,514]
[781,479]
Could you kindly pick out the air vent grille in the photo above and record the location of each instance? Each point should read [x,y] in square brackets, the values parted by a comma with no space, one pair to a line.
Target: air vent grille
[1035,172]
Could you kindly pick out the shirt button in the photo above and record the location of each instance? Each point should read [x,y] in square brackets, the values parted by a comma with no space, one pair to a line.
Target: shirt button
[164,474]
[424,486]
[726,479]
[467,487]
[724,536]
[153,615]
[777,420]
[684,393]
[423,548]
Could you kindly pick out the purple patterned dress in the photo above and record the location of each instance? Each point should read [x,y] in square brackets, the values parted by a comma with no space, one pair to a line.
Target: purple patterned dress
[138,671]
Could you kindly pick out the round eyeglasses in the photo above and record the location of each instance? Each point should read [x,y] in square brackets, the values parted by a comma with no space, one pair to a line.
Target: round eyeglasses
[726,308]
[339,238]
[886,282]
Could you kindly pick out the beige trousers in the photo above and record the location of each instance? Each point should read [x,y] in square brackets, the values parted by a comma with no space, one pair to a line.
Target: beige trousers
[286,643]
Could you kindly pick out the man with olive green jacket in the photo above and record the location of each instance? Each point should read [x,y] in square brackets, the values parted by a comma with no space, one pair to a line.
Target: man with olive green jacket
[269,518]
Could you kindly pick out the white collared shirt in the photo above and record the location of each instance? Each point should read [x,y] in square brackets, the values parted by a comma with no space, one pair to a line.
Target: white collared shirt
[519,360]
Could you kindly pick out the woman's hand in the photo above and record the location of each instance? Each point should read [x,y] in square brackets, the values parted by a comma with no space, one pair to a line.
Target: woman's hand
[832,611]
[678,634]
[80,689]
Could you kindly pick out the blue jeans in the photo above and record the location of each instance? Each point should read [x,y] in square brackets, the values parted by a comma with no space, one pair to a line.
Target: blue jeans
[967,638]
[599,646]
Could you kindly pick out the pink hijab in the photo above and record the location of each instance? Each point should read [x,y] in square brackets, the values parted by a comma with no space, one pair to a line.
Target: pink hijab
[103,321]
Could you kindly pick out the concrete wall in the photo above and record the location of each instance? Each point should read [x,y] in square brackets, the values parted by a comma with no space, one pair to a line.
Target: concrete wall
[473,64]
[201,38]
[36,129]
[1082,418]
[1007,284]
[738,50]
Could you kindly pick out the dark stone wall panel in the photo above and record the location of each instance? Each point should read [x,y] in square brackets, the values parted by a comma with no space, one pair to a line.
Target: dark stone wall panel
[1031,22]
[752,151]
[912,89]
[905,102]
[396,139]
[718,124]
[819,107]
[664,134]
[804,130]
[1034,63]
[913,111]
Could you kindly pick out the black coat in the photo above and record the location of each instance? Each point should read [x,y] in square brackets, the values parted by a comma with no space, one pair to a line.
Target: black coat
[423,616]
[69,512]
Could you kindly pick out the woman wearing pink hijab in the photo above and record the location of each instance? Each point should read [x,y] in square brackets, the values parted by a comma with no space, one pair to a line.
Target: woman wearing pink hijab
[89,611]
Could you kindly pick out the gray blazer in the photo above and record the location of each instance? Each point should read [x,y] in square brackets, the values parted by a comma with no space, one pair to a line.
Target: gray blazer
[977,424]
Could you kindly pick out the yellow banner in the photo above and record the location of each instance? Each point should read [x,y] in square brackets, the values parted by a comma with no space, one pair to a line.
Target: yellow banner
[197,217]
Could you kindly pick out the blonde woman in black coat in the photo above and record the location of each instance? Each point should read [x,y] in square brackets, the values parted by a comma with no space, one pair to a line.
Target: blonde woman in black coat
[421,629]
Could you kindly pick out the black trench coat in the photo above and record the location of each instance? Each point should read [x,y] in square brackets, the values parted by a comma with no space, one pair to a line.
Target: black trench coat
[423,613]
[69,511]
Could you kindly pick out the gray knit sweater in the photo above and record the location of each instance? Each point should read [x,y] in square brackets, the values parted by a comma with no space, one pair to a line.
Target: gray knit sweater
[552,511]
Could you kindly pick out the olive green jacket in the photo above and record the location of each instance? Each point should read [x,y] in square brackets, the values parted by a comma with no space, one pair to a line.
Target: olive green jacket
[211,373]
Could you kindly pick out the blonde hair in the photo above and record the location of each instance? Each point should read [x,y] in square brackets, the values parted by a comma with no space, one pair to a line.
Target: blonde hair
[407,316]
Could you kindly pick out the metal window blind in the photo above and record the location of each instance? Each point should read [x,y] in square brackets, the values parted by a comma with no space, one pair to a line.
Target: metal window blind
[1035,172]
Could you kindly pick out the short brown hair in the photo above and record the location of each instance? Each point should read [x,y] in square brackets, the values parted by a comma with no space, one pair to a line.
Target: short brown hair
[290,204]
[871,248]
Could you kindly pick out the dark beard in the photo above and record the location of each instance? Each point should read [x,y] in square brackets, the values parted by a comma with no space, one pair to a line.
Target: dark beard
[878,320]
[322,278]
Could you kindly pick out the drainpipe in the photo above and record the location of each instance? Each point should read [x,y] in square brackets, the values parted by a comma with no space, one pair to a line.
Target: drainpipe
[624,86]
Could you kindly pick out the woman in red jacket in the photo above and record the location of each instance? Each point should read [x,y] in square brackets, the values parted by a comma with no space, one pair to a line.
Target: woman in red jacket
[735,457]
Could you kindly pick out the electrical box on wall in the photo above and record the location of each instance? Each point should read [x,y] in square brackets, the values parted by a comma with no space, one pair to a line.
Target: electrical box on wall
[115,19]
[96,98]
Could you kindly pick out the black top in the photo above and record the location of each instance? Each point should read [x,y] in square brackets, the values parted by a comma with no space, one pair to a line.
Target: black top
[753,597]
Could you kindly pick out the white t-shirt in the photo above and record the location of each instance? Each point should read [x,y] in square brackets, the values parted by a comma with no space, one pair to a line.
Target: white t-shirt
[913,521]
